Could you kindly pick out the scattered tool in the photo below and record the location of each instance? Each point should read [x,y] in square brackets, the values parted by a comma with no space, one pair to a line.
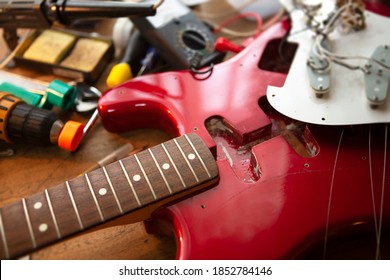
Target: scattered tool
[86,98]
[123,71]
[77,96]
[120,153]
[57,94]
[23,123]
[180,38]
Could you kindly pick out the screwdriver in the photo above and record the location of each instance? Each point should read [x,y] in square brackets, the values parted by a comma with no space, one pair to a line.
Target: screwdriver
[23,123]
[146,63]
[57,93]
[123,71]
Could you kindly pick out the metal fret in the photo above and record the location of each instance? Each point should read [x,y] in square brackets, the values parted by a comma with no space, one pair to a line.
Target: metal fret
[3,238]
[174,165]
[52,214]
[146,177]
[185,158]
[29,223]
[130,184]
[113,190]
[197,154]
[94,197]
[159,169]
[74,205]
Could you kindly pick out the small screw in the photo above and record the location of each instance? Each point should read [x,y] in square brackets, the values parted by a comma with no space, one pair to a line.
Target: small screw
[7,153]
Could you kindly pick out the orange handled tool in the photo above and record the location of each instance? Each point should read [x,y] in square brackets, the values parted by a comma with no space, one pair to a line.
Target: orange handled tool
[24,123]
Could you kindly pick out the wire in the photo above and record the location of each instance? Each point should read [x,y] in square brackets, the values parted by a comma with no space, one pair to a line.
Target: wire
[201,72]
[240,16]
[158,4]
[274,19]
[210,17]
[323,53]
[228,12]
[351,14]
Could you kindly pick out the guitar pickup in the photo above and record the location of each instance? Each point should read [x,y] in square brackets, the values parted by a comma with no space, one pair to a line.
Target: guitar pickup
[377,76]
[318,70]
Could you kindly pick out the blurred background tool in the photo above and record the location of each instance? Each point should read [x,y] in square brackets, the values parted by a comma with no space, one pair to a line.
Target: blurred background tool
[120,153]
[42,13]
[264,8]
[57,94]
[24,123]
[76,96]
[179,36]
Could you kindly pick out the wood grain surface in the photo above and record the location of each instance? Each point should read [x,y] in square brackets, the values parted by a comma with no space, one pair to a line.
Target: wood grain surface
[32,169]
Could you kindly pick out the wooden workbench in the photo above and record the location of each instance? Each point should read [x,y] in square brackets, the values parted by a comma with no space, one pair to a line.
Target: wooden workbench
[32,169]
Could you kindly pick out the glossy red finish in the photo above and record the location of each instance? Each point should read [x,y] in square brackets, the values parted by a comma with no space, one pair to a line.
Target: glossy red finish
[378,7]
[271,201]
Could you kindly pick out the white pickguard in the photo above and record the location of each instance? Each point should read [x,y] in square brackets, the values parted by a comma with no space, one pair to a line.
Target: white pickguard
[346,103]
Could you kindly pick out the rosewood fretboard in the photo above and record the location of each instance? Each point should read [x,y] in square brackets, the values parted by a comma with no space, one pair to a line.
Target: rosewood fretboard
[149,178]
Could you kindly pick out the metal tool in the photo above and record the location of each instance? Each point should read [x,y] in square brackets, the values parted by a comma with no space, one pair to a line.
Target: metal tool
[145,64]
[42,13]
[87,97]
[23,123]
[80,97]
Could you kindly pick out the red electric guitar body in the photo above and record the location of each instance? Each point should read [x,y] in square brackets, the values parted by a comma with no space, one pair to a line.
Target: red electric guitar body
[285,187]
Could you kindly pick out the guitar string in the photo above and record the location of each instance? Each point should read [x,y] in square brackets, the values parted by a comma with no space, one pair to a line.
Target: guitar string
[4,238]
[372,185]
[330,195]
[382,197]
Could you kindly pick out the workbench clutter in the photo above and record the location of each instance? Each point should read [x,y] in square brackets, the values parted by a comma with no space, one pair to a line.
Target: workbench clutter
[26,116]
[21,122]
[66,53]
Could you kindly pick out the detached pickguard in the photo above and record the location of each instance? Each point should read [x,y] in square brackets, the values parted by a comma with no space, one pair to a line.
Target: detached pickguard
[346,103]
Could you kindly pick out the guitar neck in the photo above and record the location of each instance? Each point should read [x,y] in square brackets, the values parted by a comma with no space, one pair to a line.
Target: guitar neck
[145,180]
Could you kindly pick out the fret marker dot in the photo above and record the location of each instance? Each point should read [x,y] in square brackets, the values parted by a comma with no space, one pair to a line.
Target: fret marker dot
[37,205]
[191,156]
[166,166]
[43,227]
[102,191]
[136,177]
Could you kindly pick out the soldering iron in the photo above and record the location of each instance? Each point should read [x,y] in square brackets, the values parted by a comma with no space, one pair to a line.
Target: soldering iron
[42,13]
